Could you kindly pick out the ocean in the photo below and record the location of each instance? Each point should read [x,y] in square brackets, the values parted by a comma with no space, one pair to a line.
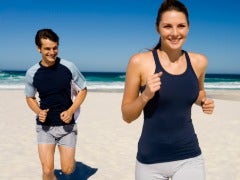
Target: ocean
[114,81]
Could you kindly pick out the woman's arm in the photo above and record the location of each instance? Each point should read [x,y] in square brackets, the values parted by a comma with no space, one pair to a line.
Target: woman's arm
[133,102]
[202,100]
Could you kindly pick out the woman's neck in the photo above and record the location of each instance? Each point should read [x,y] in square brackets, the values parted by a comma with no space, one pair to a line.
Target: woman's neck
[171,55]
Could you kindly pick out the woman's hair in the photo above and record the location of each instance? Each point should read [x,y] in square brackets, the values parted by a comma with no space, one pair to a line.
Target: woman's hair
[169,5]
[46,34]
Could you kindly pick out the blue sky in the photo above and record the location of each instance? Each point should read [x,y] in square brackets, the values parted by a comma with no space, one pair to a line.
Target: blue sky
[101,35]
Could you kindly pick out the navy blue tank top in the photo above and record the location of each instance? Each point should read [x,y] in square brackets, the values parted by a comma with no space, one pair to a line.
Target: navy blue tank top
[168,133]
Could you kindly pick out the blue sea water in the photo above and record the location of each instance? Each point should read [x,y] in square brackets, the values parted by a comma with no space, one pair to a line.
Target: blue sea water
[114,81]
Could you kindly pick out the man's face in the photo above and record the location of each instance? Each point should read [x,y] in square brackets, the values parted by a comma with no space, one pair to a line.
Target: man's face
[49,51]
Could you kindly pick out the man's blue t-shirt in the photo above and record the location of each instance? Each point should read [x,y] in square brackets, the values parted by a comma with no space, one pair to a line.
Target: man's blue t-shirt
[53,85]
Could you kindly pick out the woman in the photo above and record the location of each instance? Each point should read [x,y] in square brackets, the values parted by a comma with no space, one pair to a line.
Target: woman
[170,81]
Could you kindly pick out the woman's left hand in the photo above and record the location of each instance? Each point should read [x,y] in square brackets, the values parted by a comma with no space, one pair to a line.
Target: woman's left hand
[207,105]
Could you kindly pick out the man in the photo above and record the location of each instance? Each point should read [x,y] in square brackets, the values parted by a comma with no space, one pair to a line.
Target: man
[53,79]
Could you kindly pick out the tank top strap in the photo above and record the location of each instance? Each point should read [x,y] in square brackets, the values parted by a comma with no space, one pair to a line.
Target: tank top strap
[189,64]
[157,61]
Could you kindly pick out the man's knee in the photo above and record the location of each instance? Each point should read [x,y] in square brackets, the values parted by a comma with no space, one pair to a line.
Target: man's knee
[48,172]
[68,169]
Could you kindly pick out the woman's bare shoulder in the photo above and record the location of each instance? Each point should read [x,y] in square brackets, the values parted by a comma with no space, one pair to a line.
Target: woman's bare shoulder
[198,60]
[141,56]
[141,65]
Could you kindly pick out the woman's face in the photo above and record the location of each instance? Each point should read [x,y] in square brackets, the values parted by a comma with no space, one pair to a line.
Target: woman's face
[173,29]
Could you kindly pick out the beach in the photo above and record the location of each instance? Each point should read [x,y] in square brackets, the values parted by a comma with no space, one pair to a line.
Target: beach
[107,146]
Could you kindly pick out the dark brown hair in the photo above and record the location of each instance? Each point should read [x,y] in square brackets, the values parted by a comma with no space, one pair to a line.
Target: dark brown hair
[46,34]
[169,5]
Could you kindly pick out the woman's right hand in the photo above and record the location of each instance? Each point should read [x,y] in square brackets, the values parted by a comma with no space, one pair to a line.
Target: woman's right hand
[153,84]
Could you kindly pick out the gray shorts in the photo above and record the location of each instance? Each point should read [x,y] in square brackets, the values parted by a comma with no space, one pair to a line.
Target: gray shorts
[59,135]
[187,169]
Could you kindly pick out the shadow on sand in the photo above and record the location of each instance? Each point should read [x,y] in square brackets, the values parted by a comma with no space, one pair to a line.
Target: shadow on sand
[82,172]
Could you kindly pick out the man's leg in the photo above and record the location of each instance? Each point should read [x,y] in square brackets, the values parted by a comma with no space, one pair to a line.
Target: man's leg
[46,155]
[67,157]
[67,146]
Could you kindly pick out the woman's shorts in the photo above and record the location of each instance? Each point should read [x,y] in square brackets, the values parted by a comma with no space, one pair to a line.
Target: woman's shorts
[187,169]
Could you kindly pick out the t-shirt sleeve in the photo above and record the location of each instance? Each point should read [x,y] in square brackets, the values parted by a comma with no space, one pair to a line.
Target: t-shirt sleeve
[30,90]
[78,80]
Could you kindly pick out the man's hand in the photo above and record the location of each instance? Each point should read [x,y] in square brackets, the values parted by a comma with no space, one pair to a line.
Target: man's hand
[66,116]
[42,115]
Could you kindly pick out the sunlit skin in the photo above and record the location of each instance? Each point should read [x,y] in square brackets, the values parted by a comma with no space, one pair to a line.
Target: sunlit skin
[173,29]
[49,51]
[49,54]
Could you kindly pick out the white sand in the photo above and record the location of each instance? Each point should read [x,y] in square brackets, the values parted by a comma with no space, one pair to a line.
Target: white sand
[109,144]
